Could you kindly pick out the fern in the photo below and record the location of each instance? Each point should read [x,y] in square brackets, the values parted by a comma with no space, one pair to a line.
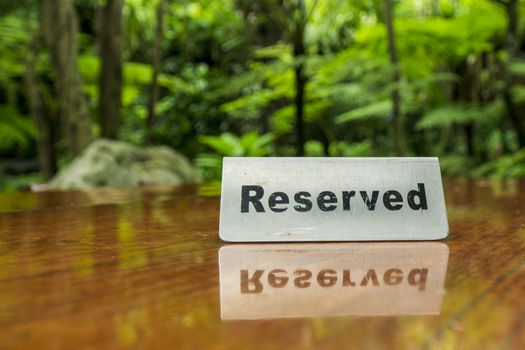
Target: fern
[517,67]
[229,145]
[15,130]
[456,164]
[374,110]
[511,165]
[251,145]
[447,115]
[461,114]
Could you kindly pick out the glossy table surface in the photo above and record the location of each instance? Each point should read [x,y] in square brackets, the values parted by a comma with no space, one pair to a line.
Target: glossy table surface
[144,268]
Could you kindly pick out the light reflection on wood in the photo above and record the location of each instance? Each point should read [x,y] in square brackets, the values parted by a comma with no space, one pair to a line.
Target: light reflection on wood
[141,272]
[267,281]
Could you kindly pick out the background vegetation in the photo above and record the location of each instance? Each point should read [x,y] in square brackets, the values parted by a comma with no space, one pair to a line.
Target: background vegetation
[263,77]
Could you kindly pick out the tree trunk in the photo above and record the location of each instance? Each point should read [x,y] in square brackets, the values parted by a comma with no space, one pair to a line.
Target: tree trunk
[327,135]
[396,132]
[157,60]
[300,78]
[110,78]
[300,84]
[45,138]
[512,47]
[59,29]
[469,137]
[435,8]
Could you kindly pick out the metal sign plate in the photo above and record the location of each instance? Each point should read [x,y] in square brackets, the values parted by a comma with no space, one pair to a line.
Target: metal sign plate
[332,199]
[262,281]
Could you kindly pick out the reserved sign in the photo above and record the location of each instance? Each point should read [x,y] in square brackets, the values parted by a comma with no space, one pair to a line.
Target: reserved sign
[332,199]
[261,281]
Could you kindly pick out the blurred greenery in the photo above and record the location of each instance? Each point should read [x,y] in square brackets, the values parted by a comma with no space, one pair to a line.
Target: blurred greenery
[281,78]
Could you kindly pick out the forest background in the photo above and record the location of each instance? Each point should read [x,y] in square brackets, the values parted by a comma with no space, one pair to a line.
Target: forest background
[213,78]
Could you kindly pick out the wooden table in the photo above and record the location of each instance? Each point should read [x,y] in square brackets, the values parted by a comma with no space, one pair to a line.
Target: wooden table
[138,268]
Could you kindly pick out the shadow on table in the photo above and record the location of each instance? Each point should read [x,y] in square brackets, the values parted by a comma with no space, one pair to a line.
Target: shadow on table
[268,281]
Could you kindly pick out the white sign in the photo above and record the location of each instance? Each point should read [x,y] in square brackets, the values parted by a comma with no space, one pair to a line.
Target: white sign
[262,281]
[332,199]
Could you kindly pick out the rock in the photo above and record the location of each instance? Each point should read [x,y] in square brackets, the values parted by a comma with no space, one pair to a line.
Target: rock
[107,163]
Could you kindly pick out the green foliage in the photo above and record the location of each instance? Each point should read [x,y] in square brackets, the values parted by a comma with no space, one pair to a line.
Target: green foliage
[356,149]
[313,148]
[136,76]
[456,165]
[228,145]
[15,130]
[462,114]
[517,67]
[512,165]
[228,68]
[12,183]
[378,109]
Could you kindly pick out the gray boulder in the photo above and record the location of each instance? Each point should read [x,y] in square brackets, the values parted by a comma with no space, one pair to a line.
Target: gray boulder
[107,163]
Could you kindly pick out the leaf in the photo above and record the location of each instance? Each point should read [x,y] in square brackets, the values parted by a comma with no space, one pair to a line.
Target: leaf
[448,115]
[134,73]
[510,165]
[174,84]
[249,144]
[517,68]
[89,67]
[455,164]
[461,114]
[254,145]
[313,148]
[15,130]
[378,109]
[227,144]
[137,73]
[355,149]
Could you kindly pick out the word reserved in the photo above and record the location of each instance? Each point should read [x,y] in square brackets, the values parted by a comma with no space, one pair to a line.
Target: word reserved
[260,281]
[252,282]
[332,199]
[327,201]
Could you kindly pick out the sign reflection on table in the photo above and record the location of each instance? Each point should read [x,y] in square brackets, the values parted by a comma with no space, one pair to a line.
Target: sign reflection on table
[263,281]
